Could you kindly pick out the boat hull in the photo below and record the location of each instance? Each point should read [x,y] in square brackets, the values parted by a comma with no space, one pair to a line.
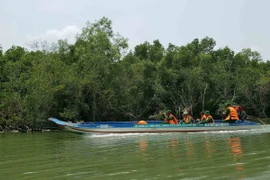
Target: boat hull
[152,127]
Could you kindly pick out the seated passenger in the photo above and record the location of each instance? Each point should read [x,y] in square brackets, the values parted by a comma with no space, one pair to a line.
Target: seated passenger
[207,118]
[202,117]
[231,113]
[171,118]
[165,116]
[187,119]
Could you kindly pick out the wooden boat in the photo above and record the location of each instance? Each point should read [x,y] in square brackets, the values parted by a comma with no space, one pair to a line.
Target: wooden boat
[152,126]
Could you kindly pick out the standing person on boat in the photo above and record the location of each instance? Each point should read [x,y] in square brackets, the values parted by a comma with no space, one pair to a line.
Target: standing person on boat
[231,113]
[207,118]
[171,118]
[187,119]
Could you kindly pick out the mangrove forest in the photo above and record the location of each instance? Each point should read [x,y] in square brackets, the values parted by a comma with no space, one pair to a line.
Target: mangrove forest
[99,78]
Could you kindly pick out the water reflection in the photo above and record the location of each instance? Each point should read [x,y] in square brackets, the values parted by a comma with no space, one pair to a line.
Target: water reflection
[208,147]
[60,155]
[235,146]
[143,144]
[174,143]
[189,148]
[194,147]
[194,155]
[236,150]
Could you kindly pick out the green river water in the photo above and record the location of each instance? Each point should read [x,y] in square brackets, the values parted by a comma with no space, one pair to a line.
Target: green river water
[64,155]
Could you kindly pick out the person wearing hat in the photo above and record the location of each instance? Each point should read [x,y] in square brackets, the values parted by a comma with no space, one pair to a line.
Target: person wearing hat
[170,118]
[207,118]
[231,114]
[187,118]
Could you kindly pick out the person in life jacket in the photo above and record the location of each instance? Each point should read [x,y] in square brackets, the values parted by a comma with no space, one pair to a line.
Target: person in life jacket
[241,113]
[163,115]
[187,119]
[202,116]
[231,113]
[207,118]
[171,118]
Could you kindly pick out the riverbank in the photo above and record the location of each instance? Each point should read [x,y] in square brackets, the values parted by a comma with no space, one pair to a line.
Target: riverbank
[29,131]
[38,127]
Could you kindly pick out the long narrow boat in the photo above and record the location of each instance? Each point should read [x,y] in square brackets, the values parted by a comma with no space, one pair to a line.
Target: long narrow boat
[152,126]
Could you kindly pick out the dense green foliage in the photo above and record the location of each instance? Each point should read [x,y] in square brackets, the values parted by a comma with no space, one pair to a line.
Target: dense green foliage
[96,78]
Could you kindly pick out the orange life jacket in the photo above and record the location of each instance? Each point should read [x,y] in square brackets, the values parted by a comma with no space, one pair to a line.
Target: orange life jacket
[174,119]
[233,115]
[187,117]
[171,121]
[209,116]
[203,116]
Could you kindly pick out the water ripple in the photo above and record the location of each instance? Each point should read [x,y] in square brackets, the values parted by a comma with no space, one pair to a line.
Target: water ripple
[62,155]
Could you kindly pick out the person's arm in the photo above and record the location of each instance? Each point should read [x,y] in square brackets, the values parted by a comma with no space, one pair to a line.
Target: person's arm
[209,120]
[156,116]
[190,119]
